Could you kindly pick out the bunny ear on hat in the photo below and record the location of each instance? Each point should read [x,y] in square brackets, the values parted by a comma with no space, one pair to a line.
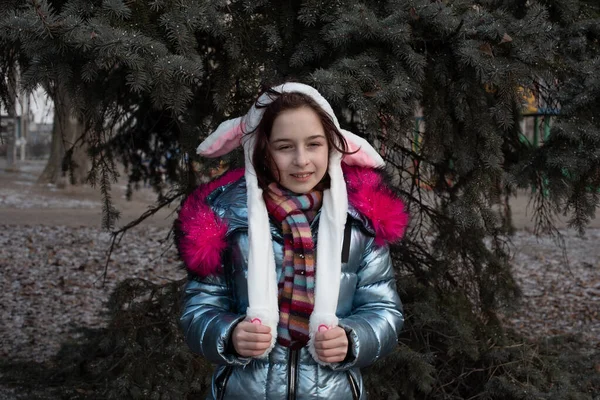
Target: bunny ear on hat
[226,138]
[362,153]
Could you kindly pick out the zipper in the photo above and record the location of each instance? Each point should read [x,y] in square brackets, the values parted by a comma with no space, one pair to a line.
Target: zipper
[223,384]
[353,386]
[292,374]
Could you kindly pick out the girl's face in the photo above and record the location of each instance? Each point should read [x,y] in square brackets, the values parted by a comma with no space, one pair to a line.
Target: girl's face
[299,149]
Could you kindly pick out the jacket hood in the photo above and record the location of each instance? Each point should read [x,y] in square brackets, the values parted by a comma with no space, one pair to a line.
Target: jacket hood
[200,233]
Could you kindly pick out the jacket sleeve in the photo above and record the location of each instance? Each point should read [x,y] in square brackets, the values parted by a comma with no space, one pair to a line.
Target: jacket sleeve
[377,317]
[207,321]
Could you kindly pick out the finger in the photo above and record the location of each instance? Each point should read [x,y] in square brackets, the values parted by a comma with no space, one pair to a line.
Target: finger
[258,337]
[262,337]
[333,333]
[252,349]
[247,328]
[329,356]
[341,342]
[323,344]
[319,337]
[331,344]
[251,346]
[264,340]
[332,353]
[256,328]
[330,334]
[243,326]
[248,337]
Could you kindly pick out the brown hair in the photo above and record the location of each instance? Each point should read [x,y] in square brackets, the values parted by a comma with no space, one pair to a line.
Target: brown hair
[261,159]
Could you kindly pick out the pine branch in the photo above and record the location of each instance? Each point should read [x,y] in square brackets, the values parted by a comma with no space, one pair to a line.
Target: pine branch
[45,15]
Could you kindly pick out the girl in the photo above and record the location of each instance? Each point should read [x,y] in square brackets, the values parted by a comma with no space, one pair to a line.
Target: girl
[291,288]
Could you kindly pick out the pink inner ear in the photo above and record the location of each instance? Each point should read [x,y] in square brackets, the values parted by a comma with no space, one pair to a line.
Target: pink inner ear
[225,142]
[359,158]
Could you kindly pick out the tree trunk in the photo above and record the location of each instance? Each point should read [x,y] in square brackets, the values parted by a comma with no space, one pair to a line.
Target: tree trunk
[66,131]
[11,134]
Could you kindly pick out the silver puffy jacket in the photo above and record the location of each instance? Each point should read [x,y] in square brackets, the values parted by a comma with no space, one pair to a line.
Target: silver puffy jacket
[369,309]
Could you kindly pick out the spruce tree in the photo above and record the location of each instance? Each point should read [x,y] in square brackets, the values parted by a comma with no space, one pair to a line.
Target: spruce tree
[154,78]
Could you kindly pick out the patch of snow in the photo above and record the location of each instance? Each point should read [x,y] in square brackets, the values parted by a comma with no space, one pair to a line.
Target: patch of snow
[24,200]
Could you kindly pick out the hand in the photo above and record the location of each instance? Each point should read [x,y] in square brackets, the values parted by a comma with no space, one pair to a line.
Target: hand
[251,340]
[331,345]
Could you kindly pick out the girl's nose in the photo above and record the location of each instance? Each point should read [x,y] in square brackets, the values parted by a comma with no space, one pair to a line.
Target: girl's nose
[301,158]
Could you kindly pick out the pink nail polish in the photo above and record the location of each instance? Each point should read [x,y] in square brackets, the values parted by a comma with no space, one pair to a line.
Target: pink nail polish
[323,328]
[256,321]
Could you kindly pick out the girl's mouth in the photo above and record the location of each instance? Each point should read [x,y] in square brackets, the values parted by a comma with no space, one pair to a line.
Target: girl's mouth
[302,177]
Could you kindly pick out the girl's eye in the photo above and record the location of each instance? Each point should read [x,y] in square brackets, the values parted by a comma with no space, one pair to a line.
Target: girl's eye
[315,144]
[286,147]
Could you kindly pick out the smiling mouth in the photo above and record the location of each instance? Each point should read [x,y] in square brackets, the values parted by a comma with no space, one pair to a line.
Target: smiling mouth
[302,176]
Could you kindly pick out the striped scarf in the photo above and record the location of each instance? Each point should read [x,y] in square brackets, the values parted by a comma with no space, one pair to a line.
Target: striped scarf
[297,283]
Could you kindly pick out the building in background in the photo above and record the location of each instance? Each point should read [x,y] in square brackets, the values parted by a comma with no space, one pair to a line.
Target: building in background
[26,130]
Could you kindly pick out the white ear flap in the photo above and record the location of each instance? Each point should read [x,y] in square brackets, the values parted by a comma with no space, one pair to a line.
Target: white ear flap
[364,154]
[223,140]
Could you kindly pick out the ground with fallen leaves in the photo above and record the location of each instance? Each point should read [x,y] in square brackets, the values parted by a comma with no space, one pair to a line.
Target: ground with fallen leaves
[560,284]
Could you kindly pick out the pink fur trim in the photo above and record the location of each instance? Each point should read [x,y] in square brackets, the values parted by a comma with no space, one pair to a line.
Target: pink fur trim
[372,198]
[202,238]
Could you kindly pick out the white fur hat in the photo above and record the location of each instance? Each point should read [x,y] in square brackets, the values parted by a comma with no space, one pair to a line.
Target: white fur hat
[262,279]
